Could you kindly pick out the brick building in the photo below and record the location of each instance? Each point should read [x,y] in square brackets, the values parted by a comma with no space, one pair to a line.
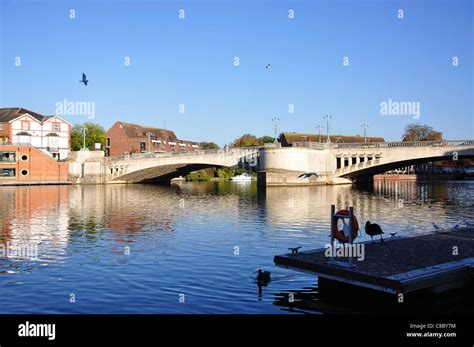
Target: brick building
[126,138]
[287,139]
[27,164]
[50,134]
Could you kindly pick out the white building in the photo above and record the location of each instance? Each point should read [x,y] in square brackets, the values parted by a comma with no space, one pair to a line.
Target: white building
[50,134]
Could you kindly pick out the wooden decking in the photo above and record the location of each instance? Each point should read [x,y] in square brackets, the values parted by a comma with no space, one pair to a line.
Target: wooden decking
[399,265]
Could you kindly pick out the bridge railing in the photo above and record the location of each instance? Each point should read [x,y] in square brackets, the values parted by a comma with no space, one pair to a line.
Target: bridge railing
[228,151]
[318,145]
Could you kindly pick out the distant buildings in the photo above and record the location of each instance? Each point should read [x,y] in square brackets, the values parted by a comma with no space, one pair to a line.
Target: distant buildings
[49,134]
[126,138]
[288,139]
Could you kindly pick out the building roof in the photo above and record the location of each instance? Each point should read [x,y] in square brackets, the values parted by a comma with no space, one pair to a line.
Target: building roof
[300,137]
[8,114]
[136,130]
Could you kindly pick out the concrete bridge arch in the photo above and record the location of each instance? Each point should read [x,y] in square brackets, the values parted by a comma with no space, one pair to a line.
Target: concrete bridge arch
[164,167]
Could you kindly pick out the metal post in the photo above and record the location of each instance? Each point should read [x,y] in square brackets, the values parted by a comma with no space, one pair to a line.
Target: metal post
[333,211]
[319,128]
[327,118]
[84,134]
[365,126]
[275,119]
[351,214]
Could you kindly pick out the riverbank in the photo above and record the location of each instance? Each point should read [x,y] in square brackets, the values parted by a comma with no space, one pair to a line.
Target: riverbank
[431,177]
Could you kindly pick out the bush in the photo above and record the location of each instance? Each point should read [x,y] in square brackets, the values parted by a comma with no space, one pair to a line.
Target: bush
[196,176]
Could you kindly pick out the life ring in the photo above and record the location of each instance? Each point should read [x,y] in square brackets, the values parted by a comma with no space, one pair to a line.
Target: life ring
[339,234]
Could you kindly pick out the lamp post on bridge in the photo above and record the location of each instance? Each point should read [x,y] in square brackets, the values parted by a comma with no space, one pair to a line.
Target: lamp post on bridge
[275,119]
[327,118]
[319,127]
[149,141]
[84,129]
[365,126]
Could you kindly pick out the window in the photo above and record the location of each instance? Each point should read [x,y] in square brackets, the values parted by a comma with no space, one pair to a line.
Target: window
[24,172]
[24,157]
[142,147]
[1,126]
[7,172]
[56,127]
[53,143]
[108,142]
[7,156]
[25,125]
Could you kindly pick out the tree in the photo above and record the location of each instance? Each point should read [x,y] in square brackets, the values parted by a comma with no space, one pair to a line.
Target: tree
[421,132]
[266,139]
[95,133]
[208,145]
[246,140]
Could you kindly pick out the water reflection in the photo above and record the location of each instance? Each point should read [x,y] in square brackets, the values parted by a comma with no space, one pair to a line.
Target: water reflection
[201,239]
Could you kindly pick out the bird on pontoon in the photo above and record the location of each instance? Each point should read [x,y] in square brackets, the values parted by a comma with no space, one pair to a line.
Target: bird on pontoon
[373,229]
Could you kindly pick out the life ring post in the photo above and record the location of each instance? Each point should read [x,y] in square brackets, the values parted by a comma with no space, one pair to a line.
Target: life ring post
[333,221]
[345,235]
[352,224]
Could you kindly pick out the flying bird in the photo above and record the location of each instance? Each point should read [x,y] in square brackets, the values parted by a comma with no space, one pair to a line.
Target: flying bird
[308,174]
[268,66]
[84,79]
[373,229]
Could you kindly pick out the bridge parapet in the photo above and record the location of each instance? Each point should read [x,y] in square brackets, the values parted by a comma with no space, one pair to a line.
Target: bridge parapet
[230,151]
[368,145]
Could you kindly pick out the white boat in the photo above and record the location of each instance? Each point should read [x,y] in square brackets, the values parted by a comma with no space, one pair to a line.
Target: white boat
[242,177]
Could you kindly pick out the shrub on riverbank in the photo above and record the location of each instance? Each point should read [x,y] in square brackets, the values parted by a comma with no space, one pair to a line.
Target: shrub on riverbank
[198,176]
[224,173]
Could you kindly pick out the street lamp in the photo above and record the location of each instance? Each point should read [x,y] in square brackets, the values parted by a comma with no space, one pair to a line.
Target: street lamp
[327,118]
[275,119]
[149,141]
[84,138]
[319,127]
[365,126]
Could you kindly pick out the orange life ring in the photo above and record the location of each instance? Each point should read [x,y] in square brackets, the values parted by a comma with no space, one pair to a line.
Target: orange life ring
[339,234]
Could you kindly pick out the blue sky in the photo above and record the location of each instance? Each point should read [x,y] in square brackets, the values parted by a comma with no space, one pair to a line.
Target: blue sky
[191,62]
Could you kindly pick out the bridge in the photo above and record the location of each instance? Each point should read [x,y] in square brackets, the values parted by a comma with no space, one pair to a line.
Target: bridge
[334,163]
[339,163]
[161,167]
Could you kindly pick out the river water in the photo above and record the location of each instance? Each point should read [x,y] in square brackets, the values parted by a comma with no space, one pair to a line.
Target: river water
[191,247]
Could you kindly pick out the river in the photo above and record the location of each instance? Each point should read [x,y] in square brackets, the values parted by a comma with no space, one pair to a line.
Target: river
[191,247]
